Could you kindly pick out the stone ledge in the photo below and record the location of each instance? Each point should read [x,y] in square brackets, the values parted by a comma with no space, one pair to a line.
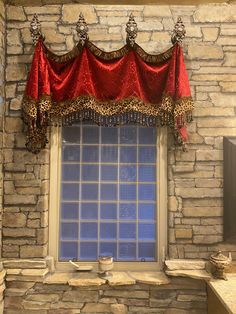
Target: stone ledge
[192,273]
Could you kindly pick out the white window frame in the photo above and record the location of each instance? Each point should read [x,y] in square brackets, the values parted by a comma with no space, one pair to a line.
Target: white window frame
[54,205]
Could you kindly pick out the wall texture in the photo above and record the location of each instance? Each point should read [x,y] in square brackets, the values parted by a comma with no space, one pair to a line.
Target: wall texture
[194,177]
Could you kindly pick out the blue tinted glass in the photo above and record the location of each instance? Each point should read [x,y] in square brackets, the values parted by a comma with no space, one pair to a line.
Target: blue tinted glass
[127,230]
[70,191]
[108,249]
[109,154]
[108,230]
[69,211]
[128,173]
[69,250]
[127,251]
[147,192]
[71,134]
[108,192]
[147,135]
[128,192]
[69,231]
[146,231]
[146,250]
[108,211]
[147,154]
[90,154]
[88,230]
[90,135]
[71,153]
[147,173]
[128,154]
[70,172]
[109,173]
[89,172]
[109,135]
[89,191]
[147,211]
[128,135]
[88,251]
[128,211]
[89,211]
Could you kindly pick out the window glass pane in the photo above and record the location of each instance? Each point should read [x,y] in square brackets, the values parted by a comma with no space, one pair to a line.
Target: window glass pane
[147,154]
[108,249]
[128,135]
[127,231]
[128,154]
[69,211]
[90,135]
[89,191]
[71,134]
[147,173]
[127,211]
[147,135]
[108,192]
[128,192]
[69,250]
[108,211]
[70,191]
[88,251]
[109,173]
[69,231]
[146,231]
[107,231]
[109,154]
[147,211]
[88,230]
[109,135]
[90,172]
[70,172]
[71,153]
[127,251]
[90,154]
[128,173]
[89,211]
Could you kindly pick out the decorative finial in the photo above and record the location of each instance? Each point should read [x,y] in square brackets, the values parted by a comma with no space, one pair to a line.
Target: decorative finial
[82,29]
[179,32]
[132,30]
[35,29]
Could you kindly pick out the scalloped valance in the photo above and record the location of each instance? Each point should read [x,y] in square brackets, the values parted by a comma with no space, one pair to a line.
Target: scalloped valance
[109,88]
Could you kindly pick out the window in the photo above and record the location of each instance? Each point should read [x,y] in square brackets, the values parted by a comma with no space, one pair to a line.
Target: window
[107,182]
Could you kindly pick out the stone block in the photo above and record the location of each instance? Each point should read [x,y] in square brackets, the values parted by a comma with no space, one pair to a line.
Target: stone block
[20,199]
[214,183]
[97,308]
[217,229]
[207,239]
[13,124]
[223,100]
[29,251]
[18,232]
[13,37]
[80,296]
[154,11]
[127,294]
[15,220]
[199,192]
[183,233]
[204,52]
[15,104]
[71,12]
[206,155]
[213,112]
[218,13]
[15,13]
[43,297]
[24,263]
[16,72]
[177,264]
[172,203]
[46,9]
[210,33]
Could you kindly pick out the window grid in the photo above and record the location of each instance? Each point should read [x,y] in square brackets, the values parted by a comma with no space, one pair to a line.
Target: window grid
[99,220]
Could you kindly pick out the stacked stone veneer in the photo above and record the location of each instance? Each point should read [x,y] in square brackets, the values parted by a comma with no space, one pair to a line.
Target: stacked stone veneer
[30,289]
[194,177]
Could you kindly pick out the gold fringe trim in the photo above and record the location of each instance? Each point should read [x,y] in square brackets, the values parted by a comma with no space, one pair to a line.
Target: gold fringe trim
[150,58]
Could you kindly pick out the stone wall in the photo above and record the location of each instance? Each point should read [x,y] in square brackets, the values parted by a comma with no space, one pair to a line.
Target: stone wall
[2,99]
[30,289]
[194,177]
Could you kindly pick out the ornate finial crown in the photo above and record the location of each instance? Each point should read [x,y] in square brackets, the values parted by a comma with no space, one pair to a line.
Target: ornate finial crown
[82,29]
[179,32]
[132,30]
[35,29]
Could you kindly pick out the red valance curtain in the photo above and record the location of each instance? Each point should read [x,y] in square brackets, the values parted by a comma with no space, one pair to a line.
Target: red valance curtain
[110,88]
